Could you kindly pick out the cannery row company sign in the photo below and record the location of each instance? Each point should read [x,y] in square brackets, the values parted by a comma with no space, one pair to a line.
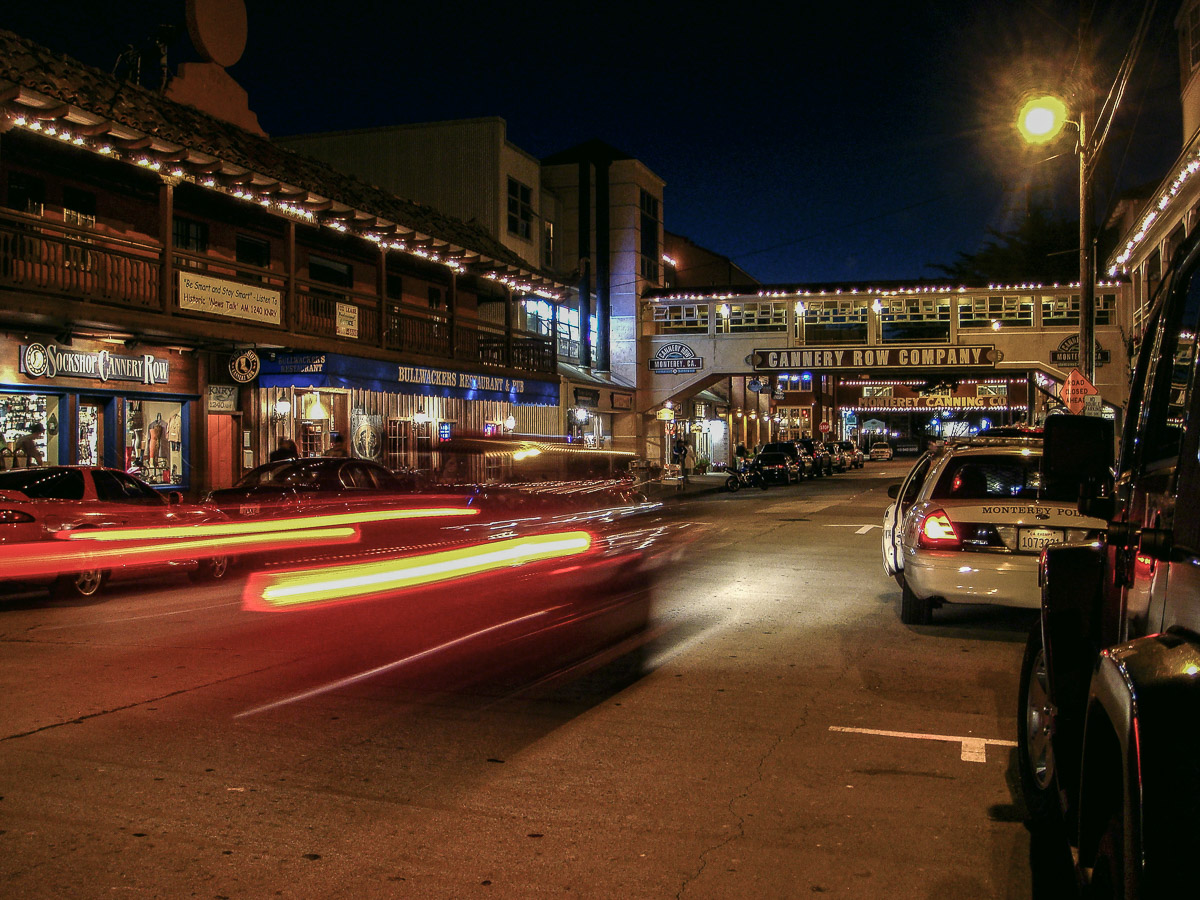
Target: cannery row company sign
[51,361]
[827,359]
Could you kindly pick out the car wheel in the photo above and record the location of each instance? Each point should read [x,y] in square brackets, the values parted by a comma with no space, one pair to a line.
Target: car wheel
[87,583]
[1035,725]
[733,484]
[212,569]
[913,609]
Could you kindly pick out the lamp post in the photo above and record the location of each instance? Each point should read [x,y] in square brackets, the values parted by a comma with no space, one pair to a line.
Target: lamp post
[1040,121]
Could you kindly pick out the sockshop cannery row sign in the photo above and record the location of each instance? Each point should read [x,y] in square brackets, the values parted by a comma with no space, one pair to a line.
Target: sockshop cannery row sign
[913,358]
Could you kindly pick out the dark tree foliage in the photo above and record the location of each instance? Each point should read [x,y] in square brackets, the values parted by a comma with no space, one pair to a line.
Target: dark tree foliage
[1041,250]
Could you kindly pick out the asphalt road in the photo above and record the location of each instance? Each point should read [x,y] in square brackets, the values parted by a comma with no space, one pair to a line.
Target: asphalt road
[780,734]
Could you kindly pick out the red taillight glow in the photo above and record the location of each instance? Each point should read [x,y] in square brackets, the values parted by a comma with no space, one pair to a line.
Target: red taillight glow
[937,532]
[272,591]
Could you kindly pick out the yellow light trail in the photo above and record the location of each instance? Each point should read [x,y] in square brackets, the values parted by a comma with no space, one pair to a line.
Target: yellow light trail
[290,589]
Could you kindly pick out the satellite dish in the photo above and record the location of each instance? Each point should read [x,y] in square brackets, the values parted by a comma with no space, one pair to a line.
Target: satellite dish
[218,29]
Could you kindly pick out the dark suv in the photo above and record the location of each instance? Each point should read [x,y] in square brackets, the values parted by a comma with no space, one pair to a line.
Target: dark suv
[822,461]
[1109,713]
[804,462]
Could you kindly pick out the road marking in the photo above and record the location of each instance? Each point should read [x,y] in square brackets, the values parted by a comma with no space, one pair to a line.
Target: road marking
[800,506]
[973,749]
[862,529]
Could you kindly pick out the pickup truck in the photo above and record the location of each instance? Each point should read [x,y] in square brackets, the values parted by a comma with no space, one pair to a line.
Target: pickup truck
[1109,699]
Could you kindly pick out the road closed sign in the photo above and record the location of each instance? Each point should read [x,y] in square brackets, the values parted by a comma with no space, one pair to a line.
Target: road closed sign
[1075,391]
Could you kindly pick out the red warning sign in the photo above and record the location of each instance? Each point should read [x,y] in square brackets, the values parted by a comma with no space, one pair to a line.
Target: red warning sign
[1075,391]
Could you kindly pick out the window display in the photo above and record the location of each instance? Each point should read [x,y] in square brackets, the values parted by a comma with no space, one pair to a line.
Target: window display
[154,440]
[19,413]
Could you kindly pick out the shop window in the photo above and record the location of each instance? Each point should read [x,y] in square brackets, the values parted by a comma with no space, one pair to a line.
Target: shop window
[435,298]
[191,237]
[79,207]
[26,193]
[252,251]
[329,271]
[18,414]
[154,440]
[394,285]
[399,441]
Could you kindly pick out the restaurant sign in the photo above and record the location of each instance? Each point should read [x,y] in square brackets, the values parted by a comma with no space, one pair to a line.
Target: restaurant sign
[51,361]
[911,358]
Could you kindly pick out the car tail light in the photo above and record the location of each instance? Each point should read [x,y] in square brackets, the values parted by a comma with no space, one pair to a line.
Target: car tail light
[15,517]
[937,532]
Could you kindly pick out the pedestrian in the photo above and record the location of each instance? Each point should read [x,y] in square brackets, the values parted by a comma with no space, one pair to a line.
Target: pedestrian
[338,446]
[689,463]
[27,446]
[287,449]
[741,456]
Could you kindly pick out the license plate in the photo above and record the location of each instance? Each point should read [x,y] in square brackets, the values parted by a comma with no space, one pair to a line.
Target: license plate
[1038,538]
[250,509]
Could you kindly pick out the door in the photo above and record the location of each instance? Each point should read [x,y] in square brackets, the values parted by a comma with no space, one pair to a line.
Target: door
[893,518]
[223,465]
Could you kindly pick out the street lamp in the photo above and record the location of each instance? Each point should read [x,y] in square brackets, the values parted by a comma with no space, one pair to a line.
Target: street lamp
[1040,120]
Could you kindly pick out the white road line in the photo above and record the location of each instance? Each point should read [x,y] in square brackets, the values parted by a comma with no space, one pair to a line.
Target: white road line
[973,749]
[862,529]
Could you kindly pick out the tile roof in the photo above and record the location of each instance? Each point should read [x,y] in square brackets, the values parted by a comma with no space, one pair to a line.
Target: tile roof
[135,108]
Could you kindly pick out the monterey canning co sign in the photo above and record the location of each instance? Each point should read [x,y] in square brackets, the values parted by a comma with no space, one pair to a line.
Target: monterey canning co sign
[827,359]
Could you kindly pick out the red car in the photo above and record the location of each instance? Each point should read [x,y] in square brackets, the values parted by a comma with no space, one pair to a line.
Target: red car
[47,503]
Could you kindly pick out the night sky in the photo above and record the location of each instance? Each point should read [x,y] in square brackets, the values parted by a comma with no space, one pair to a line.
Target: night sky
[852,143]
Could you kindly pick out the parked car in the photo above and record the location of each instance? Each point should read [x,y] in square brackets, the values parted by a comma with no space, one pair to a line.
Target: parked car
[969,523]
[854,454]
[881,450]
[804,462]
[822,461]
[777,468]
[40,503]
[1107,718]
[837,456]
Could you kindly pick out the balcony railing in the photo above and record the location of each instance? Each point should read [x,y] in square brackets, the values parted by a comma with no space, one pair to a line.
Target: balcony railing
[48,258]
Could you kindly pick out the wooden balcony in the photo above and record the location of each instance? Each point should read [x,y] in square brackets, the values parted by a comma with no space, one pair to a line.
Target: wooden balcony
[95,269]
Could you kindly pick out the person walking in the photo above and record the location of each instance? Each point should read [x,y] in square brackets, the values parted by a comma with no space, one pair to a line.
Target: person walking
[689,464]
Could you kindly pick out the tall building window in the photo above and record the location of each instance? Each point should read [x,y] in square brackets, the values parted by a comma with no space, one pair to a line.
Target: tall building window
[1191,37]
[650,236]
[520,209]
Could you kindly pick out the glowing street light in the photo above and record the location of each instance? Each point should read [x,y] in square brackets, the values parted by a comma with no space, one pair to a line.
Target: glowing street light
[1041,119]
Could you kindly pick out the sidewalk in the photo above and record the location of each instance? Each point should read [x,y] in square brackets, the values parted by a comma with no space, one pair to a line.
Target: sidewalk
[667,489]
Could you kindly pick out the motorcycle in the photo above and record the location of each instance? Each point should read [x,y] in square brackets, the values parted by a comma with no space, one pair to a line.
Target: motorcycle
[749,476]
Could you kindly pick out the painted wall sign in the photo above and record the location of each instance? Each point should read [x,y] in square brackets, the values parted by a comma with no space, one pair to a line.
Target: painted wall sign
[675,357]
[827,359]
[222,398]
[244,366]
[347,320]
[52,361]
[218,297]
[1067,353]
